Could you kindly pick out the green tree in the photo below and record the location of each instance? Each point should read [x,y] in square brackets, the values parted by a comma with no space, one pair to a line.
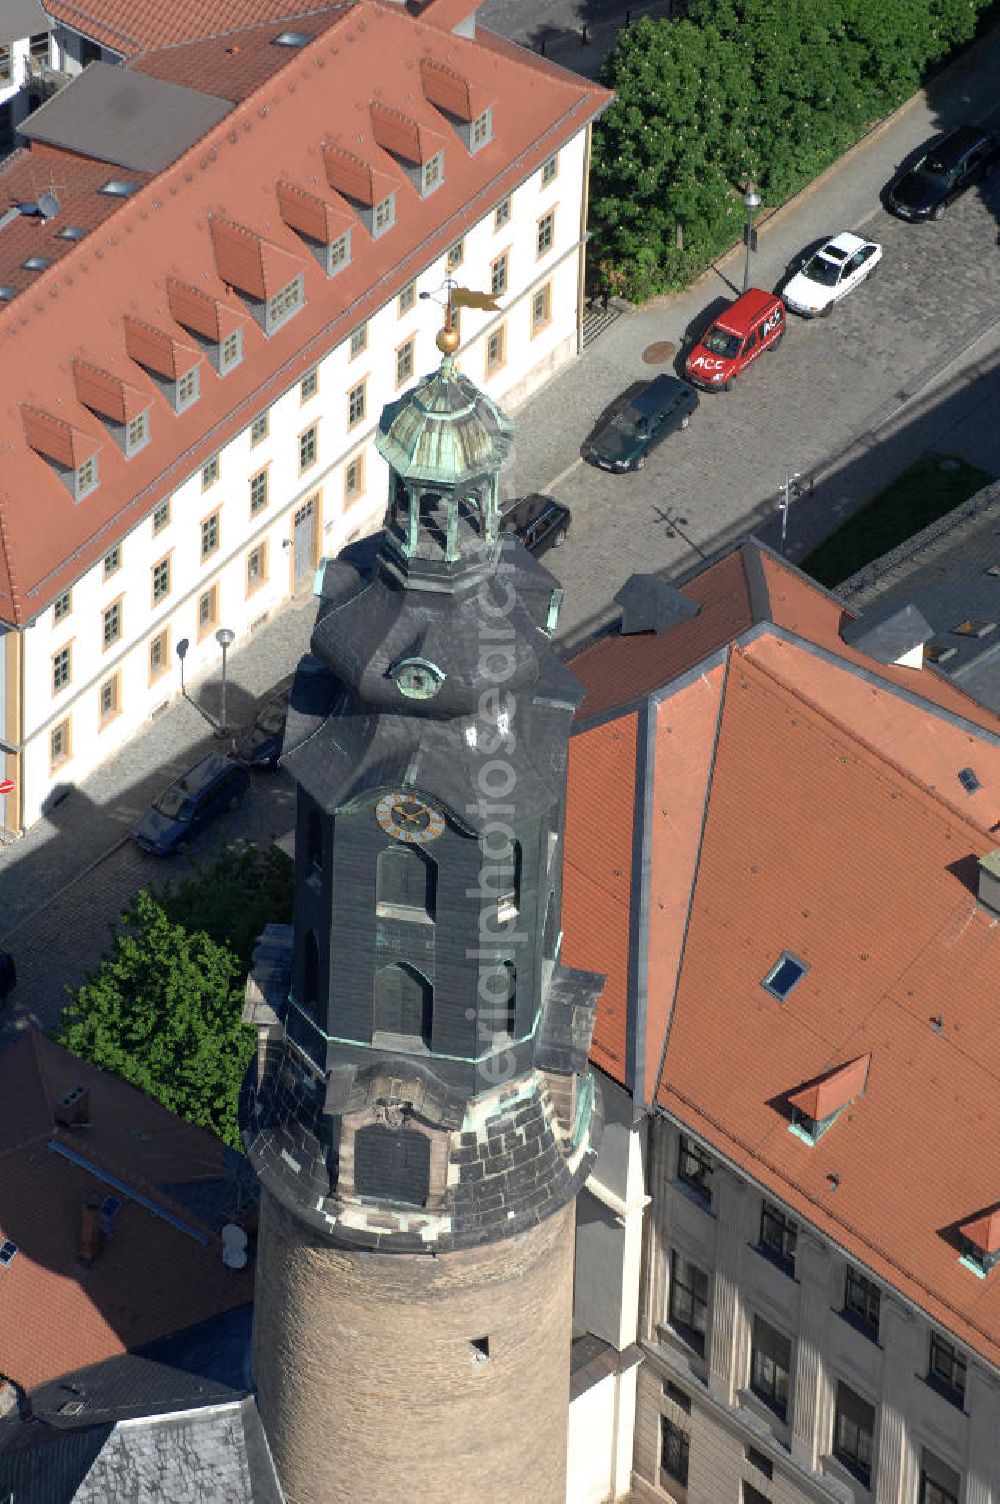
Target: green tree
[662,191]
[242,889]
[162,1010]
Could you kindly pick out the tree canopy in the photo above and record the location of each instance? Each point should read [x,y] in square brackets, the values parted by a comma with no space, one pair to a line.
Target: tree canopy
[162,1010]
[741,91]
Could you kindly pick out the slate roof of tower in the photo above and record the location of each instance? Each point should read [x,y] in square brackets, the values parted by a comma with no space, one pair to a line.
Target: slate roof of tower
[768,790]
[183,224]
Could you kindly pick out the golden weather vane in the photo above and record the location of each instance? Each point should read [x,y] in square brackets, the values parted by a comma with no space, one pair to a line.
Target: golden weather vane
[460,297]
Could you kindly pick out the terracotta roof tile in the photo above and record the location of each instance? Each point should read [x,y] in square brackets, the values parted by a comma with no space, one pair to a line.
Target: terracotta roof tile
[451,91]
[158,349]
[130,26]
[107,394]
[597,875]
[150,1278]
[860,872]
[231,65]
[212,317]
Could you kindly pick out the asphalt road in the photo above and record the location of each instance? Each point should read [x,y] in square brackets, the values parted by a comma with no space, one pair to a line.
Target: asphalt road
[907,364]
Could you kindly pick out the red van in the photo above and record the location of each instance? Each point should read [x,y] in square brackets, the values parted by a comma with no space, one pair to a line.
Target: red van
[755,322]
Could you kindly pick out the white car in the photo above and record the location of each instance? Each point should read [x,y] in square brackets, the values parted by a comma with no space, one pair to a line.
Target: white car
[830,274]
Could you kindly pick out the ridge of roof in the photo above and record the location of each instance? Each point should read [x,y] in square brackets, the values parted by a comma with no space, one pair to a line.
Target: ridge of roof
[165,23]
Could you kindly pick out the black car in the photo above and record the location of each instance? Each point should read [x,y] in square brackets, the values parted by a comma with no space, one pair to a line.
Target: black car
[623,442]
[540,522]
[949,165]
[259,744]
[187,806]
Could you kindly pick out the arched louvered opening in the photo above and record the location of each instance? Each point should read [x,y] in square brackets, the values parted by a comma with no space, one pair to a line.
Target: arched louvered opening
[405,883]
[402,1009]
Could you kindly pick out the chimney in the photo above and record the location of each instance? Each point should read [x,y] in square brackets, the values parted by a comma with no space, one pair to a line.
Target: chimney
[91,1236]
[73,1110]
[989,881]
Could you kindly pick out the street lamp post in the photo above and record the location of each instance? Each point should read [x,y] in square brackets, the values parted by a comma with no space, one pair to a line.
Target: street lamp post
[752,200]
[225,637]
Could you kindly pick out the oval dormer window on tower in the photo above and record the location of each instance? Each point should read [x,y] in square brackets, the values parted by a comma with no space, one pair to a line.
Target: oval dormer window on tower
[417,678]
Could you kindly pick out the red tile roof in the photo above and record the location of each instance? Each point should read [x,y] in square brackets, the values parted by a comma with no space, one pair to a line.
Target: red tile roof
[130,26]
[813,845]
[800,797]
[169,233]
[150,1278]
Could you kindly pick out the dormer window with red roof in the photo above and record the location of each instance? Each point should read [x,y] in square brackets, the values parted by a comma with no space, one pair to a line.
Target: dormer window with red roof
[287,301]
[384,216]
[432,173]
[465,105]
[213,323]
[121,408]
[187,389]
[70,451]
[818,1104]
[481,133]
[981,1242]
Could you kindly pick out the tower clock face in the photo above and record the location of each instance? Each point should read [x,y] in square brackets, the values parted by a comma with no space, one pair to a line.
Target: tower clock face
[407,818]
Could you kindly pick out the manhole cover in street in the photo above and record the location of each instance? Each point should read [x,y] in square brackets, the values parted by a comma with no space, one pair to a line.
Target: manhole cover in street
[656,354]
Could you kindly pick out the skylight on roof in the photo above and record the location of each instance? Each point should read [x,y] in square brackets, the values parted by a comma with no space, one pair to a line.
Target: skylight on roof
[975,628]
[71,232]
[935,652]
[785,974]
[969,780]
[8,1248]
[293,38]
[119,188]
[36,263]
[6,293]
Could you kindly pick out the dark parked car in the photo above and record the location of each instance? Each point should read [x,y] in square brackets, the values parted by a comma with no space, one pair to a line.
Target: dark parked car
[258,745]
[946,169]
[540,522]
[187,806]
[8,974]
[624,441]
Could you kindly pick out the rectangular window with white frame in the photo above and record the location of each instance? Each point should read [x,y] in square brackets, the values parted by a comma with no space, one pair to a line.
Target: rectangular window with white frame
[432,173]
[356,405]
[354,479]
[498,275]
[62,607]
[112,561]
[256,567]
[85,478]
[208,611]
[481,133]
[541,309]
[210,472]
[407,299]
[404,361]
[109,700]
[309,385]
[502,213]
[111,624]
[62,669]
[550,169]
[359,340]
[308,448]
[159,655]
[160,575]
[60,744]
[209,536]
[545,234]
[338,254]
[496,348]
[384,216]
[258,492]
[161,516]
[230,352]
[187,389]
[259,428]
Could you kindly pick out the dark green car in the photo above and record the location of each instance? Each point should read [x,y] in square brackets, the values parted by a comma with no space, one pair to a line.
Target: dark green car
[623,442]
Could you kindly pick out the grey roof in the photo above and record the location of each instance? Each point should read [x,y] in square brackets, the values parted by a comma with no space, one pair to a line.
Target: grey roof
[129,119]
[21,18]
[951,573]
[887,631]
[650,604]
